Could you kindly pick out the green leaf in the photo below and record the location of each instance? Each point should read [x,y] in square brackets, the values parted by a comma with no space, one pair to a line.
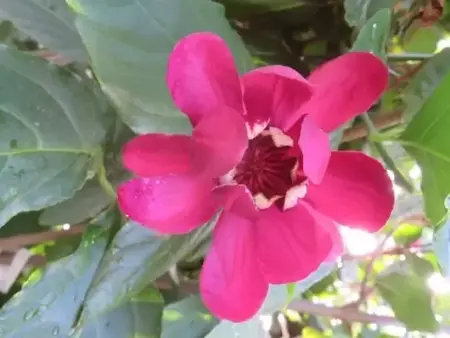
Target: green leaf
[408,295]
[188,315]
[421,39]
[49,307]
[136,257]
[275,300]
[425,138]
[140,317]
[50,139]
[441,247]
[357,12]
[140,43]
[51,22]
[406,234]
[374,34]
[425,82]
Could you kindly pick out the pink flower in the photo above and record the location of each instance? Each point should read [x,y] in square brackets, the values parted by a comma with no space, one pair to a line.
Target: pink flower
[259,152]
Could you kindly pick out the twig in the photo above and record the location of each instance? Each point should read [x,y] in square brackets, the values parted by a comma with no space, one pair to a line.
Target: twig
[347,314]
[20,241]
[409,57]
[380,122]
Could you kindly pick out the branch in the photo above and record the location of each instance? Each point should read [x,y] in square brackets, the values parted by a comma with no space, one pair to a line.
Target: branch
[348,314]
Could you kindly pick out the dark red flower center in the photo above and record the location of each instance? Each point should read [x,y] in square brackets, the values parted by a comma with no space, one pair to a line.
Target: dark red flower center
[270,168]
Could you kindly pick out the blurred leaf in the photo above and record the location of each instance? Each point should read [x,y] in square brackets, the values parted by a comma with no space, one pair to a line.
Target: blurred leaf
[310,332]
[140,317]
[408,295]
[441,246]
[425,82]
[141,42]
[406,234]
[49,306]
[51,22]
[421,40]
[136,257]
[275,300]
[420,266]
[187,316]
[374,34]
[357,12]
[50,141]
[426,140]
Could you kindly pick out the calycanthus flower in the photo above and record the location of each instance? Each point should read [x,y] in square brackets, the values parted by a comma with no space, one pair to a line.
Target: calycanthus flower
[260,154]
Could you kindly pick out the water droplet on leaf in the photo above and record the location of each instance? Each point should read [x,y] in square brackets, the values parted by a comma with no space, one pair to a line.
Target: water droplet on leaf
[30,314]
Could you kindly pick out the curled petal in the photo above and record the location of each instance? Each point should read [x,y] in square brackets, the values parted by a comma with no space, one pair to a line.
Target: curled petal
[291,244]
[236,199]
[344,88]
[158,154]
[273,93]
[231,283]
[202,76]
[316,150]
[220,142]
[356,191]
[168,204]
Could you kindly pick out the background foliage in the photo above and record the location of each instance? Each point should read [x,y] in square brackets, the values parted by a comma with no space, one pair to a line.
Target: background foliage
[79,78]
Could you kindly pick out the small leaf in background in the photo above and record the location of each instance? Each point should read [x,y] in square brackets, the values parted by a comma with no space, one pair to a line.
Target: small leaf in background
[358,12]
[441,247]
[274,301]
[408,295]
[419,39]
[426,138]
[290,292]
[425,82]
[49,306]
[136,257]
[139,317]
[374,35]
[406,234]
[187,315]
[141,42]
[49,140]
[51,22]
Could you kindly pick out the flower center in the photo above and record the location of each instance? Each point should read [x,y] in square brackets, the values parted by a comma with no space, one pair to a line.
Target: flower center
[271,170]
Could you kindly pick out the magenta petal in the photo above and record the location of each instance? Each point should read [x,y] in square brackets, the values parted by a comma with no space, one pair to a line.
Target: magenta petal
[237,199]
[315,146]
[291,244]
[231,283]
[169,204]
[220,142]
[344,88]
[202,76]
[275,93]
[356,191]
[158,154]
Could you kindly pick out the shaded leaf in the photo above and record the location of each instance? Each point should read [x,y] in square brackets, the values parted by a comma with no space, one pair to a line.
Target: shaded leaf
[136,257]
[49,306]
[140,42]
[275,300]
[51,22]
[426,139]
[188,315]
[425,82]
[138,317]
[374,35]
[50,141]
[23,223]
[408,295]
[357,12]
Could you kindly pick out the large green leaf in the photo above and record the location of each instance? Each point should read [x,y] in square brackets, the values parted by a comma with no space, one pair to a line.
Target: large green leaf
[425,82]
[140,317]
[374,35]
[49,307]
[51,22]
[357,12]
[129,42]
[276,299]
[407,293]
[51,129]
[187,315]
[136,257]
[426,138]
